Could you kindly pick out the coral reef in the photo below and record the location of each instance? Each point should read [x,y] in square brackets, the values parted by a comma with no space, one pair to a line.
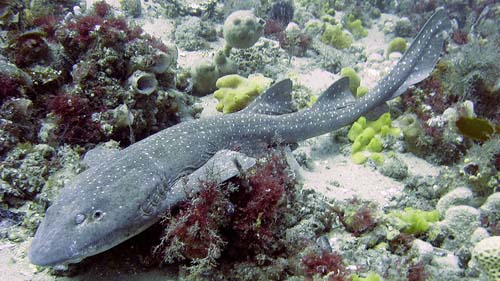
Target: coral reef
[194,34]
[265,57]
[131,7]
[358,218]
[490,217]
[372,276]
[241,30]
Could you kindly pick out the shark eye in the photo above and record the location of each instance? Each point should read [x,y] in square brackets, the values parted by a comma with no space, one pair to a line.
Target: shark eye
[98,214]
[79,218]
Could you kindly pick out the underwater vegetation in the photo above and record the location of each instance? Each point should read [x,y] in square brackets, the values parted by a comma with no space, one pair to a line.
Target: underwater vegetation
[92,77]
[244,219]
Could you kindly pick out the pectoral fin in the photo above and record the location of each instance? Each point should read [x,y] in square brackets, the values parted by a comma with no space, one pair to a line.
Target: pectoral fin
[223,165]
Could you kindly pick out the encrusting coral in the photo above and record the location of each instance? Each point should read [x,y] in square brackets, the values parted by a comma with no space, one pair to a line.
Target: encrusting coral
[487,253]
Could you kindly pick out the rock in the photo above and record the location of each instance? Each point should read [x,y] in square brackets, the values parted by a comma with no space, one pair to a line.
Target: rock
[458,196]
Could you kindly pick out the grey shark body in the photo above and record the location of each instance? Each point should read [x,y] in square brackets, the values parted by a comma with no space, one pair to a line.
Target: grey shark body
[129,190]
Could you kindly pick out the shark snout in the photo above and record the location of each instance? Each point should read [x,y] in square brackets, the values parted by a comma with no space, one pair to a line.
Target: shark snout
[47,250]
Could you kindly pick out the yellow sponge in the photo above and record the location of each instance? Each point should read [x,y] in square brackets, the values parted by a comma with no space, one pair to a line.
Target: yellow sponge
[236,92]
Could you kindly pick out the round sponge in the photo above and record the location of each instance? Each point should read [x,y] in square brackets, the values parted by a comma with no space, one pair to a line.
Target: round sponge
[242,29]
[487,254]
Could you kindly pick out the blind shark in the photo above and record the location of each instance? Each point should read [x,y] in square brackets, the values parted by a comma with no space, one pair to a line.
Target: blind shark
[129,190]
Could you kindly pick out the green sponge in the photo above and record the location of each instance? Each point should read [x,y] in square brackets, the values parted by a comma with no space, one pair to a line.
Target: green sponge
[417,221]
[367,138]
[236,92]
[355,26]
[354,80]
[335,36]
[397,44]
[487,254]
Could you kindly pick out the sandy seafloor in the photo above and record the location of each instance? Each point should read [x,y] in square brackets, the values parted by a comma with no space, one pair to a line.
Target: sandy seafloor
[333,173]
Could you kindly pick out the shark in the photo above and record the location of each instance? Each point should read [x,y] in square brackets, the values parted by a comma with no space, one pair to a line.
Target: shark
[128,190]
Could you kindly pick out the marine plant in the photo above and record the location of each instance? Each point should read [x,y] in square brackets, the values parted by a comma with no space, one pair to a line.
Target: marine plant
[417,272]
[325,264]
[480,167]
[193,232]
[432,129]
[476,128]
[29,47]
[239,218]
[358,218]
[290,37]
[260,207]
[75,125]
[48,24]
[131,7]
[472,74]
[9,86]
[401,243]
[280,15]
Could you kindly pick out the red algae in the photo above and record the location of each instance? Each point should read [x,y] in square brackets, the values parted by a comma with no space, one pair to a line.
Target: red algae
[325,263]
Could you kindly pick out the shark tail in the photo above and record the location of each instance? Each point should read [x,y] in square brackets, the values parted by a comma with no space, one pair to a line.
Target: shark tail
[419,60]
[414,66]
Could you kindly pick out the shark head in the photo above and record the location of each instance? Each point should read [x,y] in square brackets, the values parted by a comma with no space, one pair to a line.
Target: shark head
[88,218]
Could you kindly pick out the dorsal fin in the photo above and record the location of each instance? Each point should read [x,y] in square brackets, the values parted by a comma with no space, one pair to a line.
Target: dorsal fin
[424,52]
[275,101]
[338,95]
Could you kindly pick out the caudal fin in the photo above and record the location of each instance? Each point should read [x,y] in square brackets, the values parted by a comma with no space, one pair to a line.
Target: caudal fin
[421,57]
